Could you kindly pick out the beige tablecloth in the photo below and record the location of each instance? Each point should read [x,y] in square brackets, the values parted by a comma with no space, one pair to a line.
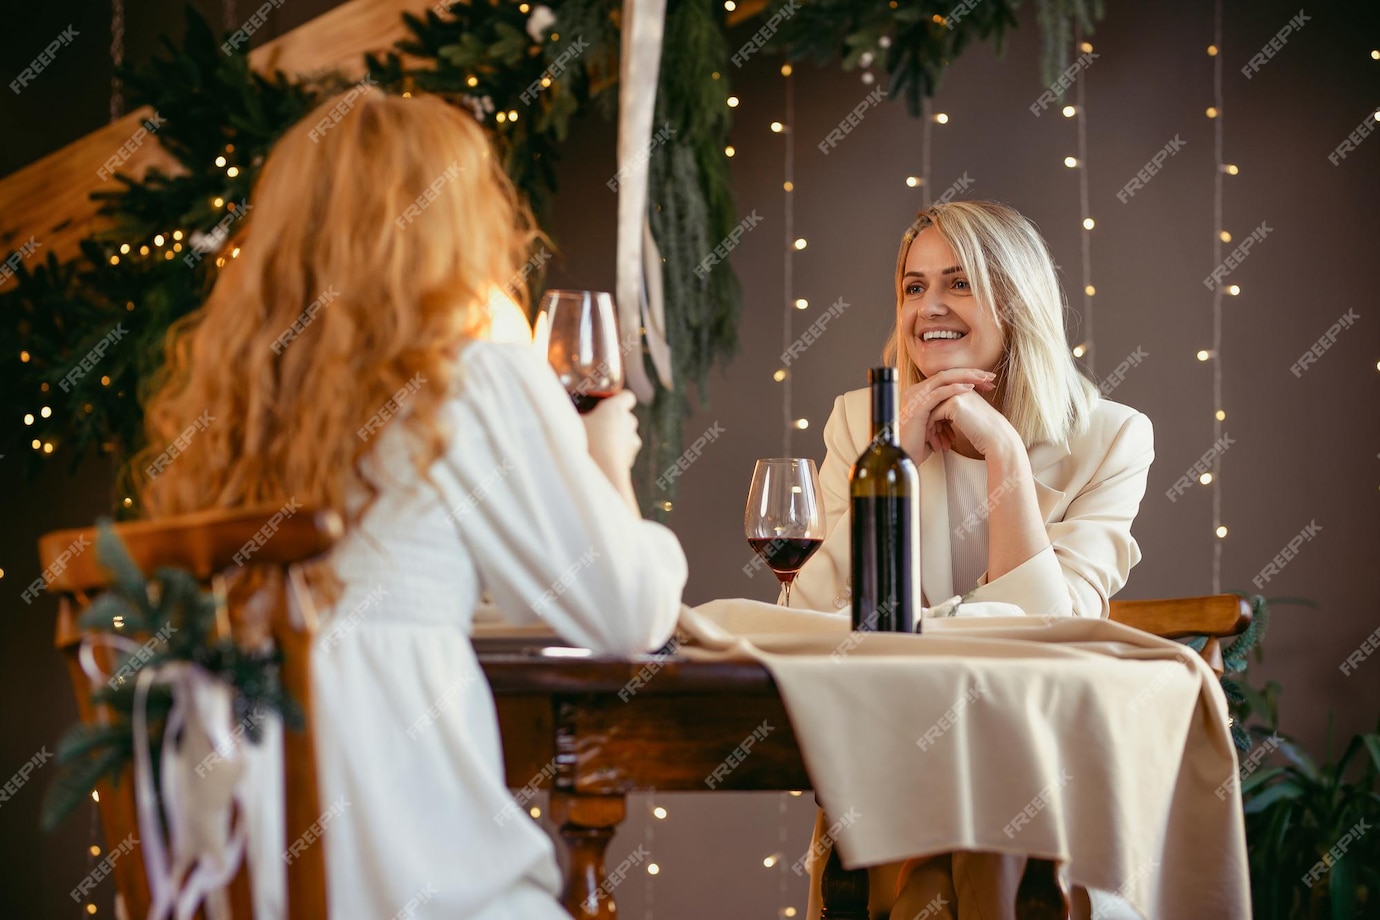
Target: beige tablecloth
[1082,741]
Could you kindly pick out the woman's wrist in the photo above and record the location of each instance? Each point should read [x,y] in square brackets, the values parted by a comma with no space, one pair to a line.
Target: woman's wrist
[1007,457]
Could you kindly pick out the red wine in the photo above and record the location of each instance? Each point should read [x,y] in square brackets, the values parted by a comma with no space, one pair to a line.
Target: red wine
[785,556]
[885,488]
[585,402]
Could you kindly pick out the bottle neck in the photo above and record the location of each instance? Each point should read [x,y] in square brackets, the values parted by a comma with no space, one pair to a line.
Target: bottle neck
[884,411]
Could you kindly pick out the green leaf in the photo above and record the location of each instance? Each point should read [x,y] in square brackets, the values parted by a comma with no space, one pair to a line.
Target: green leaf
[1280,792]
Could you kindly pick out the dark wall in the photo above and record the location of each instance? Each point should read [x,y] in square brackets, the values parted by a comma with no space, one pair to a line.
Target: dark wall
[1305,449]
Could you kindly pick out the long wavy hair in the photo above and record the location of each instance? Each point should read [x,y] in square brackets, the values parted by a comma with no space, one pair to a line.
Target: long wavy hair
[376,234]
[1041,391]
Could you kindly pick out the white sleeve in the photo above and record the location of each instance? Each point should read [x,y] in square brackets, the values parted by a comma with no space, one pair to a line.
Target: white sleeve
[552,538]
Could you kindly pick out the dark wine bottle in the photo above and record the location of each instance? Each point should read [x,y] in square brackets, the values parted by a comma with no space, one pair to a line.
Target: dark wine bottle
[885,489]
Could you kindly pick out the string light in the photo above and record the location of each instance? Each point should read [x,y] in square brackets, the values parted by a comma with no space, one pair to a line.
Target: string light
[1212,50]
[46,411]
[941,119]
[24,357]
[659,812]
[143,250]
[653,869]
[124,249]
[788,186]
[1204,354]
[220,162]
[732,102]
[913,181]
[1212,111]
[1221,531]
[1205,478]
[780,375]
[1080,350]
[158,240]
[1234,290]
[777,127]
[771,860]
[1231,169]
[729,151]
[28,418]
[1071,162]
[802,423]
[785,70]
[1089,290]
[1220,415]
[1070,111]
[800,243]
[801,303]
[1226,169]
[1224,236]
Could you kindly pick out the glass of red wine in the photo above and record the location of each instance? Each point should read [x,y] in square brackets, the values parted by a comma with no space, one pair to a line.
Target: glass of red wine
[583,345]
[784,521]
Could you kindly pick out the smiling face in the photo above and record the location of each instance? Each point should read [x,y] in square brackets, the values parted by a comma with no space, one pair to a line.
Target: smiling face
[941,321]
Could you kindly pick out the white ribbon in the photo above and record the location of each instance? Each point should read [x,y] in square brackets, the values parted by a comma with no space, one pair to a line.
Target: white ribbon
[638,278]
[206,771]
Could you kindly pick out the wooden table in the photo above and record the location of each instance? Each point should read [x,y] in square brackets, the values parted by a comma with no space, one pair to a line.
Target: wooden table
[593,730]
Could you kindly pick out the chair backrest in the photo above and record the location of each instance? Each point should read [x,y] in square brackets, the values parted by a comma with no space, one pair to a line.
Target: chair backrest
[1216,616]
[207,544]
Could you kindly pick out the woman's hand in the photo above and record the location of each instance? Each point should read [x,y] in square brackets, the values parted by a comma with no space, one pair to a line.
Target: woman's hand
[614,442]
[918,403]
[978,421]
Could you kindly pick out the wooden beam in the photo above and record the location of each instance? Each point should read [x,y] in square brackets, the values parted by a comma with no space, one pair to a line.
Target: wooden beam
[49,199]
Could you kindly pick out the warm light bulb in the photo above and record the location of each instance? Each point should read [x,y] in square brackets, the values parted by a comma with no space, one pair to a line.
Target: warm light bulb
[1204,354]
[788,185]
[1079,351]
[1089,223]
[24,357]
[158,240]
[941,118]
[788,912]
[1070,162]
[1090,290]
[802,423]
[665,506]
[1205,479]
[769,861]
[233,171]
[777,127]
[91,908]
[653,868]
[46,411]
[912,181]
[218,202]
[1221,415]
[534,811]
[785,70]
[1070,111]
[730,6]
[124,249]
[168,255]
[1234,290]
[47,447]
[1231,169]
[35,443]
[1224,236]
[95,850]
[501,117]
[1221,532]
[1212,111]
[1375,55]
[128,502]
[105,381]
[235,253]
[220,162]
[28,418]
[801,303]
[800,243]
[732,102]
[1086,47]
[779,376]
[143,250]
[730,150]
[471,81]
[659,812]
[1212,51]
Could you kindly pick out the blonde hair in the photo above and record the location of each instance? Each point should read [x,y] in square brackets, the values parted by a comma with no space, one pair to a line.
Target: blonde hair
[367,259]
[1041,391]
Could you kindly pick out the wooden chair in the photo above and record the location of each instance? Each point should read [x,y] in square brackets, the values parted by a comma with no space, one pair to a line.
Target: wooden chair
[1217,616]
[206,545]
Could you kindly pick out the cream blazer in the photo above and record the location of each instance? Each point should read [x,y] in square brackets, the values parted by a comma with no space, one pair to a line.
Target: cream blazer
[1089,489]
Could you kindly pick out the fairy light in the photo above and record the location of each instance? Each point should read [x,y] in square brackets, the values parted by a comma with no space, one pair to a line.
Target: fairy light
[1080,350]
[124,249]
[801,303]
[1071,162]
[143,250]
[24,357]
[792,246]
[1089,223]
[800,243]
[46,411]
[732,102]
[1231,169]
[1069,111]
[780,375]
[777,127]
[28,418]
[660,813]
[730,150]
[1234,290]
[1205,479]
[218,202]
[912,181]
[158,240]
[220,162]
[1221,530]
[941,118]
[1204,354]
[1212,111]
[653,869]
[1221,236]
[802,423]
[1224,236]
[1080,161]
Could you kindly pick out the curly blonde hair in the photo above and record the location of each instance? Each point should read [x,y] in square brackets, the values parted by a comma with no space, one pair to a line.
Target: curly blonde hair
[373,244]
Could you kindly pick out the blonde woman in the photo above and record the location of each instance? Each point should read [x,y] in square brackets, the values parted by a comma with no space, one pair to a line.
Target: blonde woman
[1029,479]
[459,464]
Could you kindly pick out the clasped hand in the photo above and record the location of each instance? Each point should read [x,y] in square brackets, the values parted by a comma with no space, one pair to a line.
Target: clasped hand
[940,407]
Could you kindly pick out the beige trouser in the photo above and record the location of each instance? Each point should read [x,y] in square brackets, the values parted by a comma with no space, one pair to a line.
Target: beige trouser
[952,886]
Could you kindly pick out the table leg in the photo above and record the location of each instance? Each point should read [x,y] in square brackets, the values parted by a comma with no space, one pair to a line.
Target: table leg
[587,824]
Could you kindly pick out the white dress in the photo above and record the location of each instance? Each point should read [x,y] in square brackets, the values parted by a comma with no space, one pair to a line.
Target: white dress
[409,756]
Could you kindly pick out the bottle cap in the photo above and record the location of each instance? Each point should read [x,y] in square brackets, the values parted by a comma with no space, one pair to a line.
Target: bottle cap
[881,375]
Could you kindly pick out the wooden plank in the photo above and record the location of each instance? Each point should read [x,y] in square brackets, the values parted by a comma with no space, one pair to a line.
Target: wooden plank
[49,199]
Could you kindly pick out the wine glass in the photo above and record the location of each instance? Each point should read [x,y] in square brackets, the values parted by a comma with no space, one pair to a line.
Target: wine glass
[784,521]
[582,345]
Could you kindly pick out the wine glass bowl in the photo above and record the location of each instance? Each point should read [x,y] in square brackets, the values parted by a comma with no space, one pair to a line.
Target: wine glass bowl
[784,521]
[582,344]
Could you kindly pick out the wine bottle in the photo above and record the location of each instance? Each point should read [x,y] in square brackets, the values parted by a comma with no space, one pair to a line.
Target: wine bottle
[885,490]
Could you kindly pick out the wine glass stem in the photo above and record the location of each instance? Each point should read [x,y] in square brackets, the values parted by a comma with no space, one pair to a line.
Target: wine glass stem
[788,594]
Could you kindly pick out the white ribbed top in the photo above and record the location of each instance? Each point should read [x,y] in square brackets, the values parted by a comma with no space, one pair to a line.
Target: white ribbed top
[966,482]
